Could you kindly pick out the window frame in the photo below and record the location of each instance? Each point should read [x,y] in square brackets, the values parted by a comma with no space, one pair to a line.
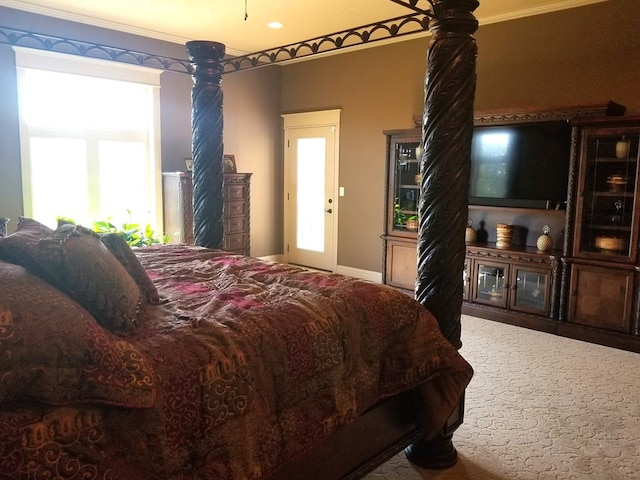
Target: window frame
[71,64]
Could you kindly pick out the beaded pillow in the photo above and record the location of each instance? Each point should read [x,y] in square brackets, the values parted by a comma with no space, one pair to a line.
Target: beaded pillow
[53,351]
[28,231]
[74,260]
[123,252]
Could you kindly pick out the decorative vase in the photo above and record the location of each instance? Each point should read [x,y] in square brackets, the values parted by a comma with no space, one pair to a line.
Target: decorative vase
[617,183]
[469,233]
[545,242]
[504,233]
[622,148]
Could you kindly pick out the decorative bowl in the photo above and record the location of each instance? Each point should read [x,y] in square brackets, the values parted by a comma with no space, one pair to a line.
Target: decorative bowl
[612,244]
[412,224]
[616,183]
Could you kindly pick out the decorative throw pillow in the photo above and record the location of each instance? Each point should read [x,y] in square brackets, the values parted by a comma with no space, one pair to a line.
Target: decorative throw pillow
[53,351]
[28,231]
[74,260]
[123,252]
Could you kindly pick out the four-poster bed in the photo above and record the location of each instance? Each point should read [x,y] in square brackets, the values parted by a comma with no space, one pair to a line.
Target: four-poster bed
[137,414]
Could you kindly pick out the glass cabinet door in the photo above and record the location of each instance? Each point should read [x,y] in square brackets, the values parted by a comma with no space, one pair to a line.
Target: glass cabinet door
[607,195]
[405,178]
[491,287]
[466,279]
[530,292]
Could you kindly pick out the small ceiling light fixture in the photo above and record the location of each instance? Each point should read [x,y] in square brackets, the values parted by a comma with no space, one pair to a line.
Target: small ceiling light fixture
[274,25]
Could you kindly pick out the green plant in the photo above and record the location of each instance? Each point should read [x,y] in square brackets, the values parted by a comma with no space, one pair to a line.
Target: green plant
[133,233]
[399,218]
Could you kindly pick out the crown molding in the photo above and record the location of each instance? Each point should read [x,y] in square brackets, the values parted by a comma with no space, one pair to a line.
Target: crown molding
[98,22]
[530,12]
[125,28]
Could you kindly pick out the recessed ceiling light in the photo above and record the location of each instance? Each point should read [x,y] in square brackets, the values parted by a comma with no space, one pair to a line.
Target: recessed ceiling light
[274,25]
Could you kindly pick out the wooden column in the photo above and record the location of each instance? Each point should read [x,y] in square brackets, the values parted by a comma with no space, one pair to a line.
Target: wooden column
[207,146]
[447,127]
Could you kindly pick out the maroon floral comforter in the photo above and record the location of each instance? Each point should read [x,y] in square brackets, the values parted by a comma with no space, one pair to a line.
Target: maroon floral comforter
[251,364]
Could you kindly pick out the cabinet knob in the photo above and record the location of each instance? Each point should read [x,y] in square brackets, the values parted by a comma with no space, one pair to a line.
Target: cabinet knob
[329,211]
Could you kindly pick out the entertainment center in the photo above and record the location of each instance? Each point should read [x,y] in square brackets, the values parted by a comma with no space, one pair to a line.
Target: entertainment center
[570,172]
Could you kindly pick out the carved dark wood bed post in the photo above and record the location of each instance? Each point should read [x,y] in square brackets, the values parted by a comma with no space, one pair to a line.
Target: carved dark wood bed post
[207,145]
[447,126]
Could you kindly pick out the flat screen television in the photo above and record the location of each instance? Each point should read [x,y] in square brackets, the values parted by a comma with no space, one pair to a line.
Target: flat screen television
[520,165]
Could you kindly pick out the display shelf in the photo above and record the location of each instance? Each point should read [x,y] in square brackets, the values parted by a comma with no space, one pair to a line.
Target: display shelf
[605,220]
[600,277]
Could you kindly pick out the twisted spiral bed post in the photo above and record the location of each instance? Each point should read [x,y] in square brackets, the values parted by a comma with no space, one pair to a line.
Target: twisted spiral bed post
[207,145]
[447,127]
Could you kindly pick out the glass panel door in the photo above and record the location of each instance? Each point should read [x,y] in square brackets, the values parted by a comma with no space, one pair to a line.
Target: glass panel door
[466,279]
[310,194]
[406,185]
[607,198]
[491,286]
[531,290]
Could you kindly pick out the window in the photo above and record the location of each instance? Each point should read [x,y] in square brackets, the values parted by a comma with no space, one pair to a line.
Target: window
[89,139]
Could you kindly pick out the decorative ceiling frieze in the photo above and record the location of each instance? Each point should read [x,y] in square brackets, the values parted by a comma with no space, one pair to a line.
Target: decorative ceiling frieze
[50,43]
[413,23]
[365,34]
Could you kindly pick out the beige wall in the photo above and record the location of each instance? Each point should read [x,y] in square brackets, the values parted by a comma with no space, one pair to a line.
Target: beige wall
[252,133]
[586,55]
[251,117]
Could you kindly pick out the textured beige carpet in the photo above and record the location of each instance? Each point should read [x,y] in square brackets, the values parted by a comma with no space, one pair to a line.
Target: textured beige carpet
[541,407]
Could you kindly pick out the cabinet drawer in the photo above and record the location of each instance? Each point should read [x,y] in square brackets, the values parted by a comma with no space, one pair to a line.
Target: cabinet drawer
[235,208]
[236,225]
[235,191]
[235,241]
[402,267]
[601,297]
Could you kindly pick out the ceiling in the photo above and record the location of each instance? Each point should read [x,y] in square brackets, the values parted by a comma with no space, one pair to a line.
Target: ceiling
[224,20]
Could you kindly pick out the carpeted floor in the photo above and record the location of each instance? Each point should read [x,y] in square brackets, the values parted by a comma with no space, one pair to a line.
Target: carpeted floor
[541,407]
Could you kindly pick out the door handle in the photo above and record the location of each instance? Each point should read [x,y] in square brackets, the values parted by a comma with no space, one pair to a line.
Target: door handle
[329,211]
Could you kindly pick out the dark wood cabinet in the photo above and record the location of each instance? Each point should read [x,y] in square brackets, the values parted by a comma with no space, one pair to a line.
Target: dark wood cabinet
[178,210]
[403,190]
[601,263]
[514,280]
[236,217]
[518,280]
[588,286]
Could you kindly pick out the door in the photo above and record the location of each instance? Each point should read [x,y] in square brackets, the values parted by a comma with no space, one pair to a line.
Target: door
[601,297]
[530,290]
[310,162]
[491,283]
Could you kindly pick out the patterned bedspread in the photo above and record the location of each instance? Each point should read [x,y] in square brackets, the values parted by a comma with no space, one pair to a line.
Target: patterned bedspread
[251,363]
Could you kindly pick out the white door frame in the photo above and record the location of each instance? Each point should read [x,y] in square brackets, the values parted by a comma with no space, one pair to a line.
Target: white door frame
[321,118]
